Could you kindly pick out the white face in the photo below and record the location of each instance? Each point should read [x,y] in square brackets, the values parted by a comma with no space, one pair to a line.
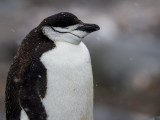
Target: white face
[67,34]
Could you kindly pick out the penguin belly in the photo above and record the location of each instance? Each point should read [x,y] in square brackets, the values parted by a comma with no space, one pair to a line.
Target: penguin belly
[69,93]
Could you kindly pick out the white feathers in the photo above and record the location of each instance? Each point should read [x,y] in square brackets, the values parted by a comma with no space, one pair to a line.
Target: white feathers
[66,29]
[68,34]
[23,115]
[69,82]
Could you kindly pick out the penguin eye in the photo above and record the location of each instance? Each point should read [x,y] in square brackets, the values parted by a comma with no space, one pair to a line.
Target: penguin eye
[67,28]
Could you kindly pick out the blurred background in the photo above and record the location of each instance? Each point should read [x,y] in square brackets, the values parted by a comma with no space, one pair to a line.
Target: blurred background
[125,52]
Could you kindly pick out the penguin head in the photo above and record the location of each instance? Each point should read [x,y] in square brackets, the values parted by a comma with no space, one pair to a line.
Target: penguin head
[66,27]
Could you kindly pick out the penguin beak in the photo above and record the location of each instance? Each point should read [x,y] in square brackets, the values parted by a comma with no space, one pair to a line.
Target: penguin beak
[88,27]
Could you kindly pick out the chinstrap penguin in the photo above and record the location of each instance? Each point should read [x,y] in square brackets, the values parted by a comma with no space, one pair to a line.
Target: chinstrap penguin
[51,75]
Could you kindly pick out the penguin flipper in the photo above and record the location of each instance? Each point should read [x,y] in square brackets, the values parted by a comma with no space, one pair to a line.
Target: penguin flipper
[30,97]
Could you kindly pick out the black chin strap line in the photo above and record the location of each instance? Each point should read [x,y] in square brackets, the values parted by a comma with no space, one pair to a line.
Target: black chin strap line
[64,32]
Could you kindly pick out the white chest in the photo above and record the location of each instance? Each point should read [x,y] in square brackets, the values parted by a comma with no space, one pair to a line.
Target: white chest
[70,83]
